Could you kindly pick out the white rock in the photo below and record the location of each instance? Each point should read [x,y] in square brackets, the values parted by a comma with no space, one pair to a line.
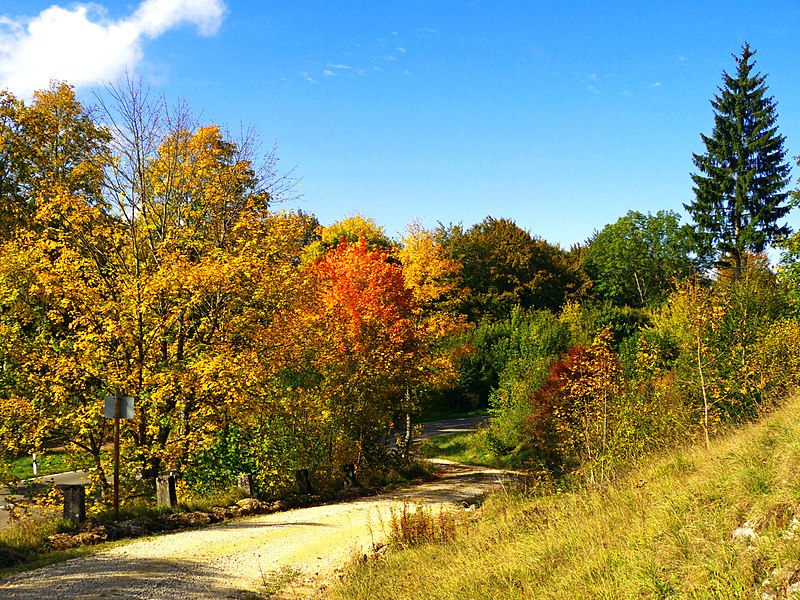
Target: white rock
[745,533]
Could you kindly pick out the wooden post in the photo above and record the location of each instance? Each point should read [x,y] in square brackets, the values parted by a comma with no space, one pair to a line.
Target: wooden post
[116,453]
[350,476]
[245,483]
[74,503]
[303,482]
[165,491]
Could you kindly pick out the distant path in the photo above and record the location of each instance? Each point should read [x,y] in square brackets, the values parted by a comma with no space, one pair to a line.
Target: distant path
[462,425]
[226,560]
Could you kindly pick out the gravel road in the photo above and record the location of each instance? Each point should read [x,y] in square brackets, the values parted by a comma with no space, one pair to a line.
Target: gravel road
[230,559]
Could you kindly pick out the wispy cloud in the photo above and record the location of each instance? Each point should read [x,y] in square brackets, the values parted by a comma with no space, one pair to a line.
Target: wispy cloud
[385,54]
[656,84]
[83,46]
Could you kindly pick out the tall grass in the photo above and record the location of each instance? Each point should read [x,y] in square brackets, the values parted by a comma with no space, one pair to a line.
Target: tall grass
[27,540]
[663,530]
[420,525]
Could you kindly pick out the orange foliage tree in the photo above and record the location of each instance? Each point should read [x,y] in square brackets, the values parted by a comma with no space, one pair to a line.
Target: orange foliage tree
[359,326]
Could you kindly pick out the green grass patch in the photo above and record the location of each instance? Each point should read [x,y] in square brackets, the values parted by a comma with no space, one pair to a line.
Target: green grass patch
[467,448]
[273,583]
[664,530]
[57,461]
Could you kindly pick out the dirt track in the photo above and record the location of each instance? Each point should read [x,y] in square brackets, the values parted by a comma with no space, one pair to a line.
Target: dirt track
[228,560]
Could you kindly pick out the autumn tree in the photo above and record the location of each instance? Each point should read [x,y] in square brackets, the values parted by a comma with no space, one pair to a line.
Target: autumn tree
[371,339]
[349,230]
[505,266]
[718,328]
[739,191]
[191,201]
[434,282]
[347,357]
[55,223]
[138,264]
[576,414]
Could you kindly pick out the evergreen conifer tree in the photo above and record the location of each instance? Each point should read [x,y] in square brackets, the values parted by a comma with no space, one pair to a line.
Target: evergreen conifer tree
[739,192]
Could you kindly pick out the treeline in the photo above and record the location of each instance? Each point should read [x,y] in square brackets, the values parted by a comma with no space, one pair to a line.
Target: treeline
[143,252]
[675,331]
[140,253]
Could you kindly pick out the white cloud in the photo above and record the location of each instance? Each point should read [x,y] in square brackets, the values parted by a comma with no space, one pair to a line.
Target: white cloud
[657,84]
[83,46]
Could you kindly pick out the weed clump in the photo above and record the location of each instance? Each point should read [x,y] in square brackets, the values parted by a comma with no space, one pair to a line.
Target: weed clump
[419,526]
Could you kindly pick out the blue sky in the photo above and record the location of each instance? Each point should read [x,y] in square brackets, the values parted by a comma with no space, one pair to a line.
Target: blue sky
[559,115]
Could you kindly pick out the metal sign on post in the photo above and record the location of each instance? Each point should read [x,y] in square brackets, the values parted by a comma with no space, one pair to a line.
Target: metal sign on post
[125,407]
[117,407]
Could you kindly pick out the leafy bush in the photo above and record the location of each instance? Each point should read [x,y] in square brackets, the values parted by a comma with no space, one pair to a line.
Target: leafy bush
[534,340]
[777,360]
[217,466]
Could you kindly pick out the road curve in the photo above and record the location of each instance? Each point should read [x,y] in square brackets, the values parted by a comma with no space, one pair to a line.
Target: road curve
[230,559]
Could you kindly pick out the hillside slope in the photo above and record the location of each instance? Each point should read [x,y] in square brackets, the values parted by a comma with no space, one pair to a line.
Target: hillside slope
[718,523]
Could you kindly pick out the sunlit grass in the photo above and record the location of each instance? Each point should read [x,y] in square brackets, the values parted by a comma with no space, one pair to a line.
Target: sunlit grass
[664,530]
[57,461]
[467,448]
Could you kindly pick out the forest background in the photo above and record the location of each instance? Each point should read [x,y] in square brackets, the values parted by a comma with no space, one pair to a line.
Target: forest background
[144,252]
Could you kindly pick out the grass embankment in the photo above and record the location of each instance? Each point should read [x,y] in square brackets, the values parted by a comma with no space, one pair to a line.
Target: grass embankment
[54,462]
[664,530]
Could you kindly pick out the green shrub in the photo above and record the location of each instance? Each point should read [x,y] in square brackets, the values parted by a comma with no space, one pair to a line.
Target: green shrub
[777,360]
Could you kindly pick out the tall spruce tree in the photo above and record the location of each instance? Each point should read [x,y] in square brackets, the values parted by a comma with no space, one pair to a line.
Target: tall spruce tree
[739,192]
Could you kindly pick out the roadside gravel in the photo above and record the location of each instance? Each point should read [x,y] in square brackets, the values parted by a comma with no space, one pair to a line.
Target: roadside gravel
[231,559]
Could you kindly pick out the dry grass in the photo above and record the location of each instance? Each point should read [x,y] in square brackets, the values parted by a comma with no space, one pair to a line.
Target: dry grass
[419,526]
[665,530]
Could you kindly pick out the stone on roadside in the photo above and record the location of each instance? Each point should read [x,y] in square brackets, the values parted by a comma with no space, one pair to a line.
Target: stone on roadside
[249,506]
